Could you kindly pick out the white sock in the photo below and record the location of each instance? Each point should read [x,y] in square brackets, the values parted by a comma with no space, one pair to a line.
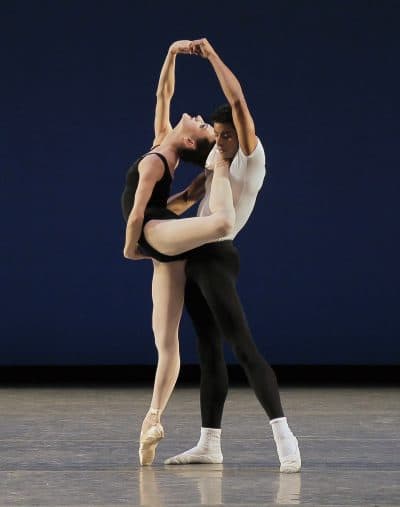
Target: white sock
[207,450]
[285,440]
[210,440]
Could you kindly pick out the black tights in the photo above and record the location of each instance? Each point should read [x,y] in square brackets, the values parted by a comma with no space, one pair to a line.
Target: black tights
[215,309]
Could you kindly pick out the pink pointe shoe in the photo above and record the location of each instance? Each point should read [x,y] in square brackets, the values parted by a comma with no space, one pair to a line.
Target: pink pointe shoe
[149,441]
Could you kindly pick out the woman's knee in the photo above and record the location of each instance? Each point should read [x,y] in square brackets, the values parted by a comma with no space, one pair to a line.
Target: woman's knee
[163,329]
[167,343]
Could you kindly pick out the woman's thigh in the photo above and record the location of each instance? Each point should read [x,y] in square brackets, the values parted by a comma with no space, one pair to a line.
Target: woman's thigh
[172,237]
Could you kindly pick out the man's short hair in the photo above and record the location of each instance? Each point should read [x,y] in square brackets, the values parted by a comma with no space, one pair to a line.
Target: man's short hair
[223,114]
[198,155]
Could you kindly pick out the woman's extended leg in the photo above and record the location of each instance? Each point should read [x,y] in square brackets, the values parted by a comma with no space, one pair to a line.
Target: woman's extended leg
[168,295]
[172,237]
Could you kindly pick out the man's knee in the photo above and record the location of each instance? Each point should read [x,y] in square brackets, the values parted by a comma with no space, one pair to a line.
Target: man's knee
[247,357]
[208,346]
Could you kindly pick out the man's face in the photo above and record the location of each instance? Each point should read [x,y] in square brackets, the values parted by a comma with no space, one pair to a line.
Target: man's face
[226,139]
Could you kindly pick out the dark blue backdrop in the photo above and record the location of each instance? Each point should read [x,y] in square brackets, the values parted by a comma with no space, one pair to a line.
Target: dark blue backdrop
[320,275]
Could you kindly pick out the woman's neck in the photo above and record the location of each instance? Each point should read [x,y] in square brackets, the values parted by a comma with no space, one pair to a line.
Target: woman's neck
[169,147]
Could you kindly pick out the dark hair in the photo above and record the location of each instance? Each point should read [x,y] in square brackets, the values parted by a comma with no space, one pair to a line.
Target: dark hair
[198,155]
[223,114]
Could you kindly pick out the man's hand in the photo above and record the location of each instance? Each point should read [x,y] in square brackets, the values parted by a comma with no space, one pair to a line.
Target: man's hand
[202,47]
[182,47]
[242,119]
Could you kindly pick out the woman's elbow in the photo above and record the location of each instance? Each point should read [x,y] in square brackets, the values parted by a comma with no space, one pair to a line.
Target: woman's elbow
[134,218]
[128,254]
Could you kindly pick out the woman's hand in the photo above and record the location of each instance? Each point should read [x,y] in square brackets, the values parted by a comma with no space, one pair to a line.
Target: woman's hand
[181,47]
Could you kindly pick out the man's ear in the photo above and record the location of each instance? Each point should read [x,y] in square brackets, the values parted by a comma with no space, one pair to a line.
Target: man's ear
[189,142]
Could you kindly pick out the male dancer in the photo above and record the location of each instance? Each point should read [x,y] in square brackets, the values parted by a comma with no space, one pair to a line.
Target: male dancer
[211,297]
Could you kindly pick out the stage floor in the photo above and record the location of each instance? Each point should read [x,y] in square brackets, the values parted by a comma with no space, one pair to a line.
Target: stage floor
[77,446]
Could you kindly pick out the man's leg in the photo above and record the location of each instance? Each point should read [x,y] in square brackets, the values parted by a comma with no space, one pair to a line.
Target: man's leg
[217,282]
[213,381]
[214,374]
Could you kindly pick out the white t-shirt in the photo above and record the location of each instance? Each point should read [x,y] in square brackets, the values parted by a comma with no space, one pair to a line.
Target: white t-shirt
[246,175]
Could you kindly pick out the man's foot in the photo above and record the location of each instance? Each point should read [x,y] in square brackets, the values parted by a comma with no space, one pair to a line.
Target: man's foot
[287,446]
[196,455]
[291,464]
[207,450]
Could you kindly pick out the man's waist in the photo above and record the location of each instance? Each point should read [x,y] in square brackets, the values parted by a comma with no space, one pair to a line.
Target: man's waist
[214,248]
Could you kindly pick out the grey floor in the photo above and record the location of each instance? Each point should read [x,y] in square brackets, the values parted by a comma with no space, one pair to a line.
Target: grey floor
[78,447]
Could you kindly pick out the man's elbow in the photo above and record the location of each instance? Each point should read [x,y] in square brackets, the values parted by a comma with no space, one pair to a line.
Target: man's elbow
[172,207]
[176,208]
[238,102]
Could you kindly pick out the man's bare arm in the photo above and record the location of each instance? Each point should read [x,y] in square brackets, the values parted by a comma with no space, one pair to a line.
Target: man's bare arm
[182,201]
[233,92]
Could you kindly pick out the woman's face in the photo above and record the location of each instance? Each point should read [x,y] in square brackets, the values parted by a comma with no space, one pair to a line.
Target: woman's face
[196,128]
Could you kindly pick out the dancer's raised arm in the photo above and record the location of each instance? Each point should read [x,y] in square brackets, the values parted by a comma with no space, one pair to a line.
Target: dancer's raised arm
[233,92]
[165,90]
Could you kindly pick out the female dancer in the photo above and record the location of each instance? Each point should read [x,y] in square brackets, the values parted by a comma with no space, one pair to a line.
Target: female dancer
[154,231]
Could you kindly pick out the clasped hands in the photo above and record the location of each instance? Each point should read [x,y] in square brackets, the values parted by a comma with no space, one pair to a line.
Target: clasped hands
[199,47]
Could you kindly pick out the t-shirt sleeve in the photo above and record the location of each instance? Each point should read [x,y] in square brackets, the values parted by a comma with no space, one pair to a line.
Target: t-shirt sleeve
[211,158]
[256,170]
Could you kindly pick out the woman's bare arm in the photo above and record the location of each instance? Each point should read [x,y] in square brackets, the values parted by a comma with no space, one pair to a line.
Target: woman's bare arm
[165,90]
[150,171]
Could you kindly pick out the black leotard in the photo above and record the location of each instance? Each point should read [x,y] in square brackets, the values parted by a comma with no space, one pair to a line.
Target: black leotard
[156,207]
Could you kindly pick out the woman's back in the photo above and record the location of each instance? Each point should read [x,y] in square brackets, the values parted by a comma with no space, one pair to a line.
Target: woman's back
[160,192]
